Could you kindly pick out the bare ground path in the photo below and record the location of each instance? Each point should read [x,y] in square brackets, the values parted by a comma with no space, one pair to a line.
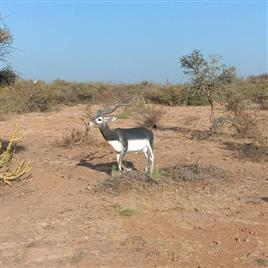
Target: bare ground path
[54,219]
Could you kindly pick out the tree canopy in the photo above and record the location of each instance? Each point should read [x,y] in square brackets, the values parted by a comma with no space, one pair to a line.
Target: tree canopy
[207,75]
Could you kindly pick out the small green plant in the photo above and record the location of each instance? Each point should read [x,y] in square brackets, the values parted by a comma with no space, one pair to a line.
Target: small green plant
[7,76]
[192,97]
[156,174]
[124,212]
[115,172]
[262,262]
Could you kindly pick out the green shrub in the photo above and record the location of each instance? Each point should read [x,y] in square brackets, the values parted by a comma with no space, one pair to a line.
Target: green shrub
[171,95]
[235,101]
[260,94]
[193,97]
[7,77]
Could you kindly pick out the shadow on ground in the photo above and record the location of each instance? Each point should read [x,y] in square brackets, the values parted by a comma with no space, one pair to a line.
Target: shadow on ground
[248,151]
[264,198]
[104,167]
[191,133]
[19,148]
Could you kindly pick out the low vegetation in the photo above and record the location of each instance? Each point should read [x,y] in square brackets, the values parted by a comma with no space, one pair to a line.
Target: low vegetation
[150,116]
[238,117]
[124,212]
[26,96]
[76,137]
[162,177]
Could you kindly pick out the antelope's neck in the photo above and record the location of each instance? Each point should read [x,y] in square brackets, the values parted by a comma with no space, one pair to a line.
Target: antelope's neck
[108,133]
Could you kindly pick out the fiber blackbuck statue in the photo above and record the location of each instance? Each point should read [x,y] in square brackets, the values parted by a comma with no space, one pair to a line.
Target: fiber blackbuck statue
[124,140]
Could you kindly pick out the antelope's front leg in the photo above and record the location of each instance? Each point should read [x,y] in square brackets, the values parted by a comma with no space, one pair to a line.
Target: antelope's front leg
[118,161]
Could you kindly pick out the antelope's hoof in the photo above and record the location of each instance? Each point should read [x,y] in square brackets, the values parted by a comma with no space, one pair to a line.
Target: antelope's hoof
[128,169]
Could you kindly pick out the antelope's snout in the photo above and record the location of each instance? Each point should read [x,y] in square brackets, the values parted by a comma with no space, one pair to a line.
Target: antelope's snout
[91,124]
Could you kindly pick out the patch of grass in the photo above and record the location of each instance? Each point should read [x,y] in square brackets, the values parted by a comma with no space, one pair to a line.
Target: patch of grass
[196,171]
[115,171]
[123,115]
[124,212]
[156,174]
[262,262]
[138,181]
[126,181]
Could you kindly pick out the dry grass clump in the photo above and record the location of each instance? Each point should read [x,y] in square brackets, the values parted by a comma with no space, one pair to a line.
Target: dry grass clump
[186,172]
[124,212]
[76,137]
[244,125]
[240,126]
[150,116]
[261,98]
[139,181]
[129,180]
[237,118]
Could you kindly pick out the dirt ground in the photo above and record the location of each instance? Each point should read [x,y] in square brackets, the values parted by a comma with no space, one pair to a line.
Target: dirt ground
[56,219]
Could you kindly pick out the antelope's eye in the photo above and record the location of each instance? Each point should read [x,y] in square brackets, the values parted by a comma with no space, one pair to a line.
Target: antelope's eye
[99,119]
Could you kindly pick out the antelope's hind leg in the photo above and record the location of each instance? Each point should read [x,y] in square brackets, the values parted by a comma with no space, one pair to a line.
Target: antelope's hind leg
[150,157]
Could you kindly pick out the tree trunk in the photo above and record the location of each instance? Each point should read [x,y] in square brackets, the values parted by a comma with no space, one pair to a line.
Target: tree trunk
[211,103]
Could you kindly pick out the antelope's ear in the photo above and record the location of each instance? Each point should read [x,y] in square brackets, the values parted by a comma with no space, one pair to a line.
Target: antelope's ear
[110,118]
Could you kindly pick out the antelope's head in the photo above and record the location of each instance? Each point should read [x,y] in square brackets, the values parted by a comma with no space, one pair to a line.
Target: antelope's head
[102,117]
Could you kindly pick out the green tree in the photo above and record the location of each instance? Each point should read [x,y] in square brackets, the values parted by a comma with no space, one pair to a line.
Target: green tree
[7,75]
[207,76]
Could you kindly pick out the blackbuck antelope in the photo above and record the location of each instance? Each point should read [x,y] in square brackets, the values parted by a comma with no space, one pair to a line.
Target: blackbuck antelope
[124,140]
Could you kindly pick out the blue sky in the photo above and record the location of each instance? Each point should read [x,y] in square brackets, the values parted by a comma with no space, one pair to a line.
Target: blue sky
[131,41]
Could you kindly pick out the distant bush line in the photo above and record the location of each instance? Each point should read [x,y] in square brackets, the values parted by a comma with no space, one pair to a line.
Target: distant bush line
[26,96]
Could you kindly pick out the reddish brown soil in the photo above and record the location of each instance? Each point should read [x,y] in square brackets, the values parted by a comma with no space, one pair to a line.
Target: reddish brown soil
[55,219]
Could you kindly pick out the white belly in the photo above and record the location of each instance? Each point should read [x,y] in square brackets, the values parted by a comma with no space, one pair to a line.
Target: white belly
[133,145]
[117,145]
[137,145]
